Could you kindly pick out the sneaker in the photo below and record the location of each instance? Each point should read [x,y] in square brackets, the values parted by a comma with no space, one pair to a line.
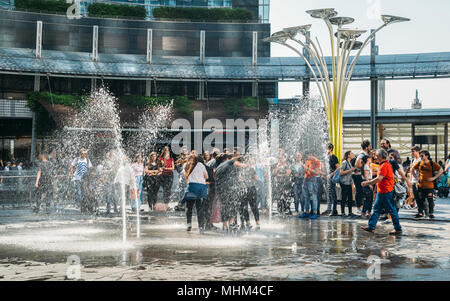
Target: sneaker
[431,216]
[189,228]
[344,215]
[304,215]
[258,227]
[296,213]
[396,232]
[388,221]
[418,215]
[334,214]
[314,216]
[327,212]
[249,227]
[368,229]
[201,231]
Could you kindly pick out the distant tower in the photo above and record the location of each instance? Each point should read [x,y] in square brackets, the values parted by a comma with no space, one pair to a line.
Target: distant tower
[416,104]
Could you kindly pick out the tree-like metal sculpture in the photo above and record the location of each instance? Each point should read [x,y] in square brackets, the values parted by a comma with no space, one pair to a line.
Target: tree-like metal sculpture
[332,87]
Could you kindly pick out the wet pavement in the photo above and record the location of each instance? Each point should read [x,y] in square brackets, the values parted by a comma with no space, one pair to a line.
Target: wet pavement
[37,247]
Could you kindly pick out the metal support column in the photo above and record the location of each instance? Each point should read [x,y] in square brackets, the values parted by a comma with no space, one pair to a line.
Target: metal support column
[201,90]
[373,96]
[413,134]
[446,140]
[255,49]
[95,43]
[255,89]
[381,95]
[148,88]
[39,39]
[202,47]
[37,88]
[93,84]
[306,81]
[149,45]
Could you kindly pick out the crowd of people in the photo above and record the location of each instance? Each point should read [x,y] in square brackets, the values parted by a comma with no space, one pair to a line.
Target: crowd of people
[226,186]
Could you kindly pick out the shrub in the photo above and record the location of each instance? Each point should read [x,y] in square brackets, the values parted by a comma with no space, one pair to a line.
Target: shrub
[234,106]
[203,14]
[73,101]
[44,122]
[117,10]
[58,6]
[181,103]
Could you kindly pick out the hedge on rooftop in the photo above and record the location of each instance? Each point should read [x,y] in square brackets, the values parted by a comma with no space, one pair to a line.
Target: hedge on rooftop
[203,14]
[57,6]
[117,10]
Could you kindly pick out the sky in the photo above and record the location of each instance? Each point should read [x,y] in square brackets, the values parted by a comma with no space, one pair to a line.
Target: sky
[428,31]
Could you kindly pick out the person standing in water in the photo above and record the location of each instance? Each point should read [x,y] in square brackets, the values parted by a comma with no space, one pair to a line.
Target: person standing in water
[249,196]
[385,196]
[44,183]
[298,172]
[196,176]
[79,168]
[168,166]
[138,171]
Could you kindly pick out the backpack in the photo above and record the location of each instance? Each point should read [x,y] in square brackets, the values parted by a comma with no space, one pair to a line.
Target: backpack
[337,176]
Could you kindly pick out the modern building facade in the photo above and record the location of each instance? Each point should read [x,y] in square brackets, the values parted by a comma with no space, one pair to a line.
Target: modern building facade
[204,61]
[117,44]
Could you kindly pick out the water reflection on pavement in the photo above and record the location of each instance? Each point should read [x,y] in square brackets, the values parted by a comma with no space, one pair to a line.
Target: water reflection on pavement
[287,249]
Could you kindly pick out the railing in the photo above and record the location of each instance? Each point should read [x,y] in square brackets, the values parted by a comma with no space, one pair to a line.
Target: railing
[14,108]
[16,188]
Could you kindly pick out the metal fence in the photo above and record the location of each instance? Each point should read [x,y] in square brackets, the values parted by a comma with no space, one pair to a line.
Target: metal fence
[16,187]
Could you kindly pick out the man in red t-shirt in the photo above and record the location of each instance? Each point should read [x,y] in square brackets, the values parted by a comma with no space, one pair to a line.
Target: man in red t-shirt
[385,196]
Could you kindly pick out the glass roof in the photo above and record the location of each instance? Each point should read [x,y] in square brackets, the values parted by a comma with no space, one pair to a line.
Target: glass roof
[222,68]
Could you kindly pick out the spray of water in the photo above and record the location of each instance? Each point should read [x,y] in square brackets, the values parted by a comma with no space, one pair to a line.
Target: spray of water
[97,127]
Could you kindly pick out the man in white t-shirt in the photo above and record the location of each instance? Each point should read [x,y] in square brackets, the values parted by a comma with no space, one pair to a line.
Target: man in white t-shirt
[79,170]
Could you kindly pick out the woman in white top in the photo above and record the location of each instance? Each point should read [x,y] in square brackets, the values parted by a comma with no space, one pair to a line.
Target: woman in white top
[138,172]
[196,176]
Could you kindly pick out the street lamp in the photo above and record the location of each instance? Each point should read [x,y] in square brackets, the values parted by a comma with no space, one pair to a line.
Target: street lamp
[332,87]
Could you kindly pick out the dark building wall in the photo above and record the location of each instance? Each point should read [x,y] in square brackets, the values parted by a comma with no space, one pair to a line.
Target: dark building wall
[17,86]
[18,29]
